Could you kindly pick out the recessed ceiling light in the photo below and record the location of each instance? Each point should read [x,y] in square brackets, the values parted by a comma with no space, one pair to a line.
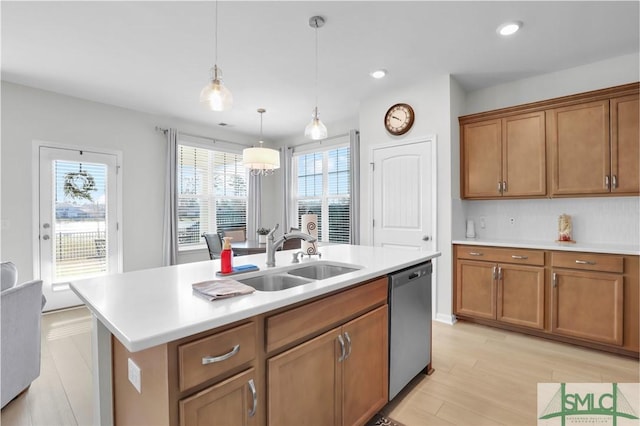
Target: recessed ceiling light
[509,28]
[378,74]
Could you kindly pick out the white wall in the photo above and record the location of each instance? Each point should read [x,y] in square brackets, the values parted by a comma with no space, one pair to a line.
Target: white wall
[31,114]
[597,220]
[431,103]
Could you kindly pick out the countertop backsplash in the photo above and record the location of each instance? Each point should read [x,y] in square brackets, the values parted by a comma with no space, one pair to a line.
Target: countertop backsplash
[606,220]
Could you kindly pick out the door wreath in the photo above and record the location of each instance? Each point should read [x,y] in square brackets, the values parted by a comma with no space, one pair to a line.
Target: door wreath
[79,185]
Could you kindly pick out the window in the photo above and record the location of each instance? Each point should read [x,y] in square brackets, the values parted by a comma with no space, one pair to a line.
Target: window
[322,182]
[212,193]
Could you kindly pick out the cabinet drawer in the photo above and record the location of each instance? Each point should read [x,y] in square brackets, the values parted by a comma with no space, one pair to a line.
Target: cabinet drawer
[305,320]
[501,255]
[587,261]
[212,356]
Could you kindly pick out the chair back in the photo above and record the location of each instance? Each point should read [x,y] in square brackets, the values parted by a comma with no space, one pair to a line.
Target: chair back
[236,235]
[214,243]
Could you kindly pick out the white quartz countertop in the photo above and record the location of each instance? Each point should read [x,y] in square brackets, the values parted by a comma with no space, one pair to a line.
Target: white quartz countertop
[552,245]
[150,307]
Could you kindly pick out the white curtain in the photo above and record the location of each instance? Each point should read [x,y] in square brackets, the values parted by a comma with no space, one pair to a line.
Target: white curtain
[254,206]
[354,148]
[170,228]
[288,221]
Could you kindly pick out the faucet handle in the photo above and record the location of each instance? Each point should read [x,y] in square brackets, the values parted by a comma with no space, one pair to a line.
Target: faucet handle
[275,228]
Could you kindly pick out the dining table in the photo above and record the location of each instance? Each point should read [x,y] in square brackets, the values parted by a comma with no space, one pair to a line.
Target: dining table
[242,248]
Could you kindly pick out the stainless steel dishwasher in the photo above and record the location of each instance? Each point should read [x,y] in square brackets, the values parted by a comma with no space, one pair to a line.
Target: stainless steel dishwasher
[409,325]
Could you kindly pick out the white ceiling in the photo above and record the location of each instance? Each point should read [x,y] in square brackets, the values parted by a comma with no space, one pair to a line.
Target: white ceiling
[155,56]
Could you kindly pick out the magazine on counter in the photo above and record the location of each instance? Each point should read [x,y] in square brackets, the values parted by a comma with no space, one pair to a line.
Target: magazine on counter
[220,289]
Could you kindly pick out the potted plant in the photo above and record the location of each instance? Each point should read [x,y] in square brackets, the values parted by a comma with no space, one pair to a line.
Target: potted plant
[262,235]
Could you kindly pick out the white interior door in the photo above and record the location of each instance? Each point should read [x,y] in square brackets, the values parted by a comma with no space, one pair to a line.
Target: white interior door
[403,196]
[78,236]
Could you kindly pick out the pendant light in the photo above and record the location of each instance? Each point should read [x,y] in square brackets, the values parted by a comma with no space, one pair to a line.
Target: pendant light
[260,160]
[215,95]
[316,129]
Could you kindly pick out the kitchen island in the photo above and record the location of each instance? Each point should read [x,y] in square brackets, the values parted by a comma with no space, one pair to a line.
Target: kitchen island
[143,310]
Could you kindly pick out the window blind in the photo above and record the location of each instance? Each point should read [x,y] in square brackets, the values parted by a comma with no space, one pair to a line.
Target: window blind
[212,193]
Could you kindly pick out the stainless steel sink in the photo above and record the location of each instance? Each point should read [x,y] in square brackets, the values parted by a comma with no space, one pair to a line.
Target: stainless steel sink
[321,271]
[274,282]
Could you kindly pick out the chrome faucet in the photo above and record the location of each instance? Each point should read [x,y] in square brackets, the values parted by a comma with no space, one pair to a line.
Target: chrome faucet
[273,244]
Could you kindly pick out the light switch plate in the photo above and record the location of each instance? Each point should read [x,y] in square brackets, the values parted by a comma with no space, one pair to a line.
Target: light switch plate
[135,375]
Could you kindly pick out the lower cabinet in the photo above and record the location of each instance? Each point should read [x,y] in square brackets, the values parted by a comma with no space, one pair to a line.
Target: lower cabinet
[337,378]
[511,293]
[231,402]
[585,303]
[592,298]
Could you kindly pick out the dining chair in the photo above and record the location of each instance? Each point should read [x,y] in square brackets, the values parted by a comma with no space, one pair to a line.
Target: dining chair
[214,243]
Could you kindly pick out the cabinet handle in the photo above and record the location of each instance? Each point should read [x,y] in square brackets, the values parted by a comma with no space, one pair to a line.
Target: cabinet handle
[514,256]
[254,395]
[614,181]
[475,253]
[342,348]
[555,280]
[606,181]
[499,273]
[500,187]
[211,359]
[504,186]
[346,336]
[495,276]
[585,262]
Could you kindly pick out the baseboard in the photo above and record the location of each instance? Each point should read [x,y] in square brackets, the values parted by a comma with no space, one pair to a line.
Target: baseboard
[445,318]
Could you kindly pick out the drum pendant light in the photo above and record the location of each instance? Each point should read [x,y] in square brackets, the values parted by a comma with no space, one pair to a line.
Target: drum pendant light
[260,160]
[316,129]
[215,96]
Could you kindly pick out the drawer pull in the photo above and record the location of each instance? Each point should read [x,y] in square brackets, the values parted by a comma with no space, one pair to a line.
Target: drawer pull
[513,256]
[211,359]
[346,336]
[585,262]
[254,395]
[475,253]
[342,348]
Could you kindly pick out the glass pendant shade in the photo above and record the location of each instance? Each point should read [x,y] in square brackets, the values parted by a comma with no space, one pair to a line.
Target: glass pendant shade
[316,129]
[215,95]
[259,158]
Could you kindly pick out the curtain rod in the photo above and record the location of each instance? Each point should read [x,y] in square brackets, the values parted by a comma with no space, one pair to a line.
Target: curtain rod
[214,140]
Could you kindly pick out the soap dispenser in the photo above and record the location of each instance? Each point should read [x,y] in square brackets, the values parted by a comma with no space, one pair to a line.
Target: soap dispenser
[226,256]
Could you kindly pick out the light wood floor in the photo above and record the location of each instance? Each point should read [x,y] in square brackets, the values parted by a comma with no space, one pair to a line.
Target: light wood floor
[483,376]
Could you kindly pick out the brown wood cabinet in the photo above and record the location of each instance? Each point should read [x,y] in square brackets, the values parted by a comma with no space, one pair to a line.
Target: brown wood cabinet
[586,144]
[322,361]
[503,286]
[231,402]
[338,378]
[592,298]
[504,157]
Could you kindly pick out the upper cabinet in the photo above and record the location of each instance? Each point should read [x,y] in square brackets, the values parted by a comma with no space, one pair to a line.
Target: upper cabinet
[504,157]
[579,145]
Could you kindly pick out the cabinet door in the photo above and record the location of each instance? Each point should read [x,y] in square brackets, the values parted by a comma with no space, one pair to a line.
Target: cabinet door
[231,402]
[521,295]
[365,368]
[625,145]
[588,305]
[304,383]
[482,162]
[476,289]
[579,142]
[524,155]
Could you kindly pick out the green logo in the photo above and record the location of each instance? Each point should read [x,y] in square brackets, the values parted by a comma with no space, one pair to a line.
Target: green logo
[565,404]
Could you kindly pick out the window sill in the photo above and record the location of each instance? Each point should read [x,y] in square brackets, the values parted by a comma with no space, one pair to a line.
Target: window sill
[195,247]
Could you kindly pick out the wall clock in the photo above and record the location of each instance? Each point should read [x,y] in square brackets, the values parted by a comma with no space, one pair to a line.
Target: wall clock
[399,119]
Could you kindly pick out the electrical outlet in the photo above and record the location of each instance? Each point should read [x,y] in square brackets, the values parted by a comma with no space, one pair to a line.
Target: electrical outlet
[483,223]
[512,221]
[135,375]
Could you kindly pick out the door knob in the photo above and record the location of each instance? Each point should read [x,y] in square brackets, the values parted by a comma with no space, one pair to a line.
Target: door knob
[45,237]
[46,226]
[426,238]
